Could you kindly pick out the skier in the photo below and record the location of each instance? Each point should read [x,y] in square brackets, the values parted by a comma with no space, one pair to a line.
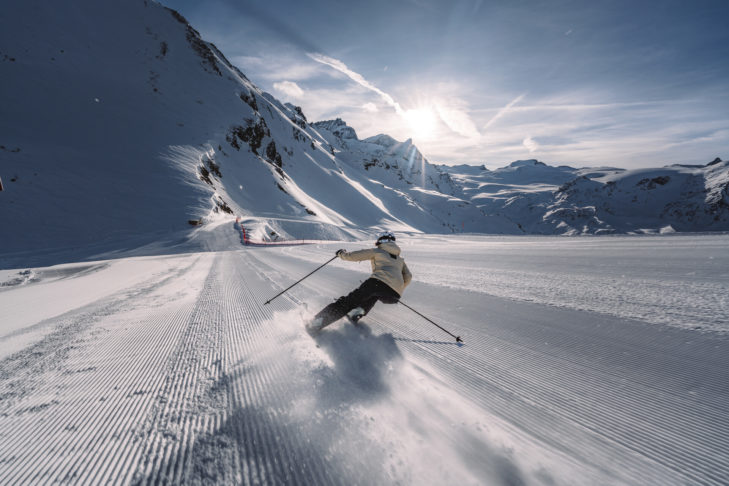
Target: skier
[390,276]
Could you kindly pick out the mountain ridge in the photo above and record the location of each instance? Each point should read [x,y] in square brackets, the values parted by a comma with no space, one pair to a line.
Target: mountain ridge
[122,128]
[590,200]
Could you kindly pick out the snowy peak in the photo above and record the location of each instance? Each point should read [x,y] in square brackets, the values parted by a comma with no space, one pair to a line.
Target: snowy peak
[337,127]
[531,172]
[716,161]
[383,140]
[385,157]
[526,163]
[426,192]
[404,149]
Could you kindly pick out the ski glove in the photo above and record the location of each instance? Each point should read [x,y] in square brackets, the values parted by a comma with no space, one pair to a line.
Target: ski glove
[339,252]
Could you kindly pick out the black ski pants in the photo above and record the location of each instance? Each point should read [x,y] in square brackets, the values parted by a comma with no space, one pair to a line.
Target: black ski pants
[364,296]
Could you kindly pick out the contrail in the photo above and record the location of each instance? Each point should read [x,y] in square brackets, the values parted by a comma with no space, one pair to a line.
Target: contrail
[504,110]
[356,77]
[455,119]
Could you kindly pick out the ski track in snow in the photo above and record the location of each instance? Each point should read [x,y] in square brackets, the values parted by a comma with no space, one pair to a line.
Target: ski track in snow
[187,377]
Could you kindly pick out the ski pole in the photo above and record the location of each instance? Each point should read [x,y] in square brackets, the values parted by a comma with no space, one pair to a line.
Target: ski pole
[318,268]
[458,338]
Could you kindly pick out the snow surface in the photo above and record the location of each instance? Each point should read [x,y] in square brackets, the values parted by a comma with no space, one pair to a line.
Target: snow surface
[583,364]
[136,348]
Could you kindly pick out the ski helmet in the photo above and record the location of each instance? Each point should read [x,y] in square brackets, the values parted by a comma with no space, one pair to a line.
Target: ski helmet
[384,236]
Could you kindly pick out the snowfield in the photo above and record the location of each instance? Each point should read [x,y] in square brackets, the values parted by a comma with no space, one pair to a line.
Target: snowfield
[598,360]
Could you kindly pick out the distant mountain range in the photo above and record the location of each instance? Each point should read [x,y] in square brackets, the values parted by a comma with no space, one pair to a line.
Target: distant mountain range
[563,200]
[122,127]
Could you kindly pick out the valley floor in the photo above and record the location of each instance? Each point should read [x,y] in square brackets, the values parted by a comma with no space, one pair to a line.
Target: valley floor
[586,361]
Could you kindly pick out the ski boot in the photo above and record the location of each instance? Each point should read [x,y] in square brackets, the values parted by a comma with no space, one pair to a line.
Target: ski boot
[355,315]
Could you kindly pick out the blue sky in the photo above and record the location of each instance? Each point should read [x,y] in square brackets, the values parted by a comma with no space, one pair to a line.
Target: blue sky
[584,83]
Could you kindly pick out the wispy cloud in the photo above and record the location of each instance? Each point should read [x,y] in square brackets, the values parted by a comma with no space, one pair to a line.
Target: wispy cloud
[530,144]
[590,106]
[356,77]
[289,88]
[346,102]
[583,91]
[277,67]
[591,129]
[457,119]
[576,128]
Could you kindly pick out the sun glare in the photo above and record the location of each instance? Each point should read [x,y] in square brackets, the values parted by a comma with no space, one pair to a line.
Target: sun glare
[422,122]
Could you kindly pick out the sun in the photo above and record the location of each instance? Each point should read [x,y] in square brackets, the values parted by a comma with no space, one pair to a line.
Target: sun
[422,122]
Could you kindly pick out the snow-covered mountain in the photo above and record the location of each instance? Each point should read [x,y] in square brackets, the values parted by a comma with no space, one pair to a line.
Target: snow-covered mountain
[416,191]
[563,200]
[122,127]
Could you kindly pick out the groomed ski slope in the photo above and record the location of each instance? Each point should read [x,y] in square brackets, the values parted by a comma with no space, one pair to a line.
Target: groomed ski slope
[170,369]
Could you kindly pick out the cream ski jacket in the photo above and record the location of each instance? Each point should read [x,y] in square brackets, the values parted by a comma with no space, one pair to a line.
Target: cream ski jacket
[387,264]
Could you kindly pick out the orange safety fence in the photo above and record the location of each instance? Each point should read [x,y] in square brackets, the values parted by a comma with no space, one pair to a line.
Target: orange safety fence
[247,241]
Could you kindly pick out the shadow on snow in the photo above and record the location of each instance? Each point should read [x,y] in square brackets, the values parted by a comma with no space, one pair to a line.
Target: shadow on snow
[362,364]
